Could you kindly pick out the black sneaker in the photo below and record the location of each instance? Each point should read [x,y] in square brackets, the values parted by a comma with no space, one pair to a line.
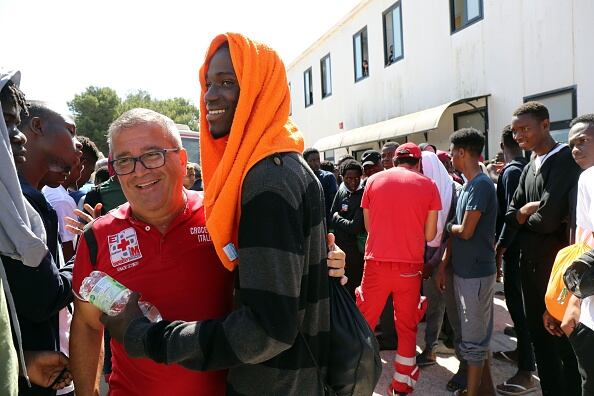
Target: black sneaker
[426,358]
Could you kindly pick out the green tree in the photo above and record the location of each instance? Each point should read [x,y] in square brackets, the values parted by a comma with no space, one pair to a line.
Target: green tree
[96,108]
[180,110]
[93,111]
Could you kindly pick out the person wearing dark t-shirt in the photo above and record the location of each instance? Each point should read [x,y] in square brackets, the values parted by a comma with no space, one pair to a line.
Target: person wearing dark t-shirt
[539,211]
[471,252]
[327,179]
[508,259]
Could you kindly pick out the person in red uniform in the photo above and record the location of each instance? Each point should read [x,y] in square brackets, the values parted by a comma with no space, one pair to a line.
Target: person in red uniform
[400,208]
[145,244]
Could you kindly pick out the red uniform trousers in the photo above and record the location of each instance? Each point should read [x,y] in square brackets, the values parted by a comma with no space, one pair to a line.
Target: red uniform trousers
[403,282]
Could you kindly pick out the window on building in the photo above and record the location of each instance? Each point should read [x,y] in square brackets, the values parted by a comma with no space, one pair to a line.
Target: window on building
[562,106]
[465,12]
[308,87]
[361,55]
[476,119]
[326,76]
[290,100]
[393,42]
[329,155]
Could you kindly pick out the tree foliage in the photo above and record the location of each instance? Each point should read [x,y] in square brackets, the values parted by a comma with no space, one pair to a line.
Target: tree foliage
[93,111]
[96,108]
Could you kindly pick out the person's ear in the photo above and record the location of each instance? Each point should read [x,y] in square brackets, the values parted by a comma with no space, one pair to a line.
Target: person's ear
[36,126]
[545,124]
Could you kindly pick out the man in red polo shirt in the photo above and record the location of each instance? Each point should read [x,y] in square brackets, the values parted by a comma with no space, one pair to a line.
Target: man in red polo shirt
[158,245]
[400,208]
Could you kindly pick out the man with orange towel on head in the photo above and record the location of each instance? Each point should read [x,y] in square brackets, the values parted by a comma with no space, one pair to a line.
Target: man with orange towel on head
[265,214]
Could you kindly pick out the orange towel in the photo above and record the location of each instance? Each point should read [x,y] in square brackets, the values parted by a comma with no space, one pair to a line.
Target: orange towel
[261,127]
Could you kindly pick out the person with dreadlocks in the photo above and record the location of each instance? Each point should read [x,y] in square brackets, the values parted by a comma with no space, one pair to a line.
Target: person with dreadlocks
[25,265]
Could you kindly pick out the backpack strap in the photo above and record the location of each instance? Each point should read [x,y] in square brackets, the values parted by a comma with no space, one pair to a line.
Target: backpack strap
[91,241]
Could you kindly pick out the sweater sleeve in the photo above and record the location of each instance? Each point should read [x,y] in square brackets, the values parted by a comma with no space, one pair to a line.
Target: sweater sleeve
[41,292]
[271,253]
[518,201]
[354,226]
[554,202]
[511,181]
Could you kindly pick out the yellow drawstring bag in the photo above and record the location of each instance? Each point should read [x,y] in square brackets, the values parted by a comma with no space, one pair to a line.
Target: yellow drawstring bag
[557,295]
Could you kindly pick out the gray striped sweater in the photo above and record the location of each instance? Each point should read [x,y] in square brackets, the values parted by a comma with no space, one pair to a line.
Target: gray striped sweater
[281,288]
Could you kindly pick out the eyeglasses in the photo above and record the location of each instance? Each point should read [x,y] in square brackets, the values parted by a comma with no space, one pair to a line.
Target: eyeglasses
[151,160]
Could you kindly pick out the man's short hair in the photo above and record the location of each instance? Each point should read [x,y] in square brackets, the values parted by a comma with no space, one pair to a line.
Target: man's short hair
[89,149]
[139,116]
[390,145]
[535,109]
[351,165]
[507,138]
[39,109]
[407,160]
[197,170]
[328,166]
[469,139]
[583,119]
[309,151]
[101,175]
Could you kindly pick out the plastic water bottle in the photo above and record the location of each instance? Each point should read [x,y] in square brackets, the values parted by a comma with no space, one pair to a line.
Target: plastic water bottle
[111,297]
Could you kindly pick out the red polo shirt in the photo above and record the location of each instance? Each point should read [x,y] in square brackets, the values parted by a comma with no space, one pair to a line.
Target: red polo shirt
[178,272]
[399,201]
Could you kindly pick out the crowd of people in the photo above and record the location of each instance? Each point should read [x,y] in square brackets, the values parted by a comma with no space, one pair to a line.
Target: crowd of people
[439,247]
[238,253]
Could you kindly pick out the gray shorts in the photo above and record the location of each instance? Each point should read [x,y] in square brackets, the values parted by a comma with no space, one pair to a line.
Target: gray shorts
[474,297]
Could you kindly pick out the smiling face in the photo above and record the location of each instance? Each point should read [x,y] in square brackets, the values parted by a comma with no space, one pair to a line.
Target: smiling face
[222,93]
[581,141]
[530,133]
[152,193]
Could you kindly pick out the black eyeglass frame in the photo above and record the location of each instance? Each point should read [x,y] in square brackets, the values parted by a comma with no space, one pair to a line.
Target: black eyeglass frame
[139,159]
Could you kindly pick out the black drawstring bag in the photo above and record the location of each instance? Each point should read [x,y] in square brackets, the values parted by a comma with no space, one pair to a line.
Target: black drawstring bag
[354,364]
[579,276]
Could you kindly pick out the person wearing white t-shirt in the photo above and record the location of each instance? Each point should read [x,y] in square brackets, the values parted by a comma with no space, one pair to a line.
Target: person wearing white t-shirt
[64,206]
[578,322]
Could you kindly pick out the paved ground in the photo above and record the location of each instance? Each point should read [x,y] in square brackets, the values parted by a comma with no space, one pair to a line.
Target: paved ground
[434,378]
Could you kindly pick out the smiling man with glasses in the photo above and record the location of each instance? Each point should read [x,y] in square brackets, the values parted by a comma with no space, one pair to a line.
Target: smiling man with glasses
[156,244]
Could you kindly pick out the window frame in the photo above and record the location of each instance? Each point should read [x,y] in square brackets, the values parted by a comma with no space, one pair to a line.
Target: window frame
[327,56]
[363,76]
[563,124]
[468,23]
[306,95]
[484,112]
[390,9]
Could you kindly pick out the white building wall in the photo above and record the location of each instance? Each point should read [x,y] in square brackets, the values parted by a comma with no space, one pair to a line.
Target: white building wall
[519,48]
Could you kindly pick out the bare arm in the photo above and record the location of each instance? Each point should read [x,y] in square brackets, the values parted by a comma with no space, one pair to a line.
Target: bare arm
[431,225]
[86,348]
[466,229]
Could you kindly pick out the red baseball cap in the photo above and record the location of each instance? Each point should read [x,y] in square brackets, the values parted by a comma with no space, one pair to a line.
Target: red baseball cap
[408,150]
[443,155]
